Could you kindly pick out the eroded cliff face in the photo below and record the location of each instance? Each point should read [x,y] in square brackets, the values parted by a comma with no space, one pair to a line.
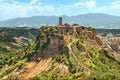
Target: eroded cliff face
[111,44]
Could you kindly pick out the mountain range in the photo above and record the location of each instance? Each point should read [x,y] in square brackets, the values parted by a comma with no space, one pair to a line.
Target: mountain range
[96,20]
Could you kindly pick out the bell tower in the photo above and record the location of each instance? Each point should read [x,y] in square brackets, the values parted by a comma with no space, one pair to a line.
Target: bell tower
[60,20]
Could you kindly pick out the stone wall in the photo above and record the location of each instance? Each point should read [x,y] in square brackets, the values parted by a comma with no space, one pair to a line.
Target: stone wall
[77,31]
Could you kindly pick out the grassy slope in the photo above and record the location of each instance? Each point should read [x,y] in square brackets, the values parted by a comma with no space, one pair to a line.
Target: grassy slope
[103,66]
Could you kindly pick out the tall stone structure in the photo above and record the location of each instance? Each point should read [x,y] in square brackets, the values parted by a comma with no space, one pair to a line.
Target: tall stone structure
[60,20]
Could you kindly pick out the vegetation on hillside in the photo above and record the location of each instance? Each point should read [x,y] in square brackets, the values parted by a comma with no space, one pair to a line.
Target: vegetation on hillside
[63,65]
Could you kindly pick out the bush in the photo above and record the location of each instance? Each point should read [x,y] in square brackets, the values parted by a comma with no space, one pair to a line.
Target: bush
[19,64]
[60,57]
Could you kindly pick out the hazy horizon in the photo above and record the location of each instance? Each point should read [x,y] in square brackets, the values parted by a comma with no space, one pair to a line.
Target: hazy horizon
[58,15]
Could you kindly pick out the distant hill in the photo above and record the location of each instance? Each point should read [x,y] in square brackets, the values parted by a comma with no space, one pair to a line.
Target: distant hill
[97,20]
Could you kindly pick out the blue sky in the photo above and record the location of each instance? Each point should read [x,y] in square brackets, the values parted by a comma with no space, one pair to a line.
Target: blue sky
[26,8]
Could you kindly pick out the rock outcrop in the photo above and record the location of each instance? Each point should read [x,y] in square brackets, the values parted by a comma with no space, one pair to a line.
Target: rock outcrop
[111,44]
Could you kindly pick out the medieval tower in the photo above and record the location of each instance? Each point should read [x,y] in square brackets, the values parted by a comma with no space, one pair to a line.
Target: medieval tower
[60,20]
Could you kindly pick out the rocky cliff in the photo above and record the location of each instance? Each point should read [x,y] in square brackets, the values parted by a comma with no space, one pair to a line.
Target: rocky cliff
[111,44]
[51,40]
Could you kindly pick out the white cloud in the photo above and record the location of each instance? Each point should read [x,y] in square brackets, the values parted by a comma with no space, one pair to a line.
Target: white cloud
[115,5]
[49,7]
[111,7]
[79,4]
[19,9]
[33,2]
[91,4]
[66,7]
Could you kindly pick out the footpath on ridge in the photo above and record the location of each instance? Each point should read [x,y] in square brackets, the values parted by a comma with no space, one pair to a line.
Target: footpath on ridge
[75,58]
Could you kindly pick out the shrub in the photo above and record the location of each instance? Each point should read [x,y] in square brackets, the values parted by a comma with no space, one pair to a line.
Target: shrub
[19,64]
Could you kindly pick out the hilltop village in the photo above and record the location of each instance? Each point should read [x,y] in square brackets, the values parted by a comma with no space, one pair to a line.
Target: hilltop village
[53,38]
[74,30]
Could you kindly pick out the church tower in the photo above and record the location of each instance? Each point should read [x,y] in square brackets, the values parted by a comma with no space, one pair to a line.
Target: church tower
[60,20]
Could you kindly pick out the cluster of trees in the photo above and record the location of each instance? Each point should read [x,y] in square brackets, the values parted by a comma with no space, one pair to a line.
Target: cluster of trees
[7,39]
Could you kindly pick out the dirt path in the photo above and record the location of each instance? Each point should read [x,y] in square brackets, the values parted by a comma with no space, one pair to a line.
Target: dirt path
[75,58]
